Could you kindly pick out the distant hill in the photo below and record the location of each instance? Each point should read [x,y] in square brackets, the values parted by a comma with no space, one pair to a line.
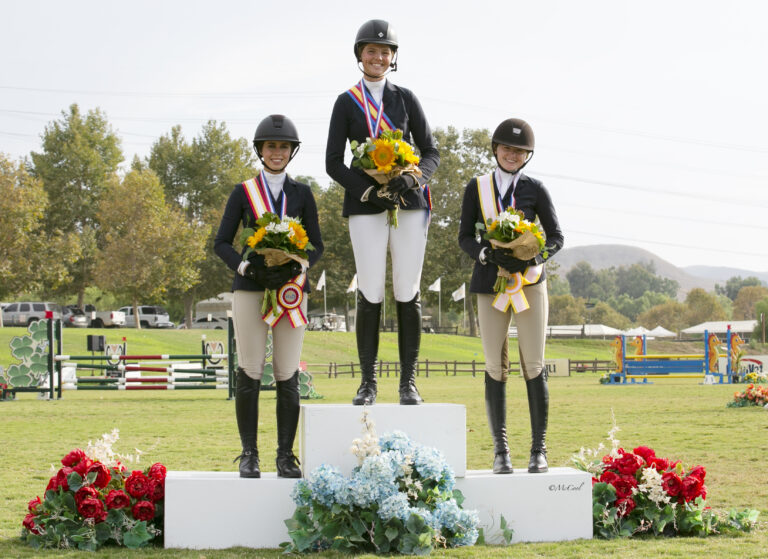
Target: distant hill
[721,275]
[606,256]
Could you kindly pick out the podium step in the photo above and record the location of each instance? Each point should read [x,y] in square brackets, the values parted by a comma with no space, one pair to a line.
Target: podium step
[217,510]
[548,507]
[326,431]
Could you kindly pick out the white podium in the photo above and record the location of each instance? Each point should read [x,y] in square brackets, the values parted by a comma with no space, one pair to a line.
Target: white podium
[326,431]
[549,507]
[217,510]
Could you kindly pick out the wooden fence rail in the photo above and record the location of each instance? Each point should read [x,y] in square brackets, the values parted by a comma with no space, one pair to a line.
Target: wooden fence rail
[446,368]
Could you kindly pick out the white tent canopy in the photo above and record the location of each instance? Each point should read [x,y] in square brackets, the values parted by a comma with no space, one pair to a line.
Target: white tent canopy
[661,332]
[638,331]
[576,330]
[721,327]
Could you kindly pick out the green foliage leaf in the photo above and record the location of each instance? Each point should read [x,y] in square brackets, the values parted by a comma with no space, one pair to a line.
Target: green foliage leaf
[138,536]
[75,481]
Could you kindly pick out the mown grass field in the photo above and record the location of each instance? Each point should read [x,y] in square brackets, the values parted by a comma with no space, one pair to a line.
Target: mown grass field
[196,430]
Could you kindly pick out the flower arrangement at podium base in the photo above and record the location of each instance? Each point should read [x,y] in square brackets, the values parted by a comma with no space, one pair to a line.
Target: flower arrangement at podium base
[399,499]
[93,501]
[640,493]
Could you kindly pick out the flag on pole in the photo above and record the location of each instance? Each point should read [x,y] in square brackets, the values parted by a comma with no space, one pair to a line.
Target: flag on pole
[352,285]
[435,286]
[321,282]
[458,295]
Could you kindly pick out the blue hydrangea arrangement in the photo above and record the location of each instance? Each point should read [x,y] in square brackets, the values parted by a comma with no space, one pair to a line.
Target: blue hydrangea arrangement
[399,499]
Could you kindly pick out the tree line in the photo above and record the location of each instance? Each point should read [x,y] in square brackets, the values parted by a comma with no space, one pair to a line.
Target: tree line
[77,228]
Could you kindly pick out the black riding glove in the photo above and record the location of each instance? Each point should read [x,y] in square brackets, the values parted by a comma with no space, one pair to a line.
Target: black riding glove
[503,259]
[255,272]
[401,184]
[380,201]
[278,276]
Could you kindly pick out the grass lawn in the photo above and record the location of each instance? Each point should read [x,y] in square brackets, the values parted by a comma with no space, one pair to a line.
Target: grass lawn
[195,430]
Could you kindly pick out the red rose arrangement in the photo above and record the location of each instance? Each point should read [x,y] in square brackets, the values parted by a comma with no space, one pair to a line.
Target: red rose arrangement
[639,492]
[88,504]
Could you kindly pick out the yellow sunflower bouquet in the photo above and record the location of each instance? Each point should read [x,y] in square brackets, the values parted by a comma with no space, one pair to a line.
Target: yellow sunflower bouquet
[385,158]
[279,241]
[510,230]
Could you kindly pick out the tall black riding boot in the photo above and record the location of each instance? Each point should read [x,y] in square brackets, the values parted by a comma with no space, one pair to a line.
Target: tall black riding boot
[496,409]
[287,420]
[367,333]
[538,405]
[247,412]
[408,343]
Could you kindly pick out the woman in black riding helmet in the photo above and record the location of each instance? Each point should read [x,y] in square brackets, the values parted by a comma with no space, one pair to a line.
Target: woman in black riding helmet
[276,143]
[373,105]
[485,197]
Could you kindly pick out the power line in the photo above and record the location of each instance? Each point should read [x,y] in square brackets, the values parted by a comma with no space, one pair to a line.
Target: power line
[720,200]
[323,94]
[658,216]
[663,243]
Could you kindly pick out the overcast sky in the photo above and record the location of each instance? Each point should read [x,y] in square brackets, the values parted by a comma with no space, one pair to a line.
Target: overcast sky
[650,117]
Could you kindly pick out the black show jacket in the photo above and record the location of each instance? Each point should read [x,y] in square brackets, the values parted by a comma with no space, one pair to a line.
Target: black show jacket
[532,198]
[348,123]
[300,203]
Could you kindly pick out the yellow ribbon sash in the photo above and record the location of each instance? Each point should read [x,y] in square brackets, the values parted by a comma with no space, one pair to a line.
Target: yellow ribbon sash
[513,294]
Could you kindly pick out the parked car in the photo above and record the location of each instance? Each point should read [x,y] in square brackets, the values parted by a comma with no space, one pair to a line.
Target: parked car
[149,317]
[25,313]
[215,323]
[104,319]
[73,316]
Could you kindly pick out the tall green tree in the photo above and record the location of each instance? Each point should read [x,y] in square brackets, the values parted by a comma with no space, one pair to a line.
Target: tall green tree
[26,249]
[761,313]
[463,155]
[149,246]
[338,260]
[566,309]
[746,300]
[734,284]
[80,154]
[670,314]
[702,307]
[198,178]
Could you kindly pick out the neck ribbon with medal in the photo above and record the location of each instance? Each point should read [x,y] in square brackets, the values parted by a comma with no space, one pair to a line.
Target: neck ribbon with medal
[290,295]
[378,121]
[491,207]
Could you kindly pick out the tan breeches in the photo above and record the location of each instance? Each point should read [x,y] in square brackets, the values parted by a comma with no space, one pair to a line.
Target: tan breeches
[251,337]
[531,330]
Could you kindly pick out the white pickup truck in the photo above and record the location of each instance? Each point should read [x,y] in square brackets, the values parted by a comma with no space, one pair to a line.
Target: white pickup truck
[104,319]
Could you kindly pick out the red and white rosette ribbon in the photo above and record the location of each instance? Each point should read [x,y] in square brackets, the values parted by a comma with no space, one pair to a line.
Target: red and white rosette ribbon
[289,298]
[513,294]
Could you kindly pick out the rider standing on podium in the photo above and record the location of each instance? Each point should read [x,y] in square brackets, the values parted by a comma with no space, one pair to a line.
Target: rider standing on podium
[512,144]
[372,105]
[276,142]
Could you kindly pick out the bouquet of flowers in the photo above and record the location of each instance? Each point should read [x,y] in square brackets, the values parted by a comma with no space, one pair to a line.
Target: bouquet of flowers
[510,230]
[279,240]
[639,492]
[385,158]
[753,395]
[400,499]
[89,503]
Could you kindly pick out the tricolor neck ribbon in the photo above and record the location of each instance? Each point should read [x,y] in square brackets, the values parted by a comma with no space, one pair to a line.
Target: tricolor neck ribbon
[513,294]
[374,113]
[260,199]
[289,298]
